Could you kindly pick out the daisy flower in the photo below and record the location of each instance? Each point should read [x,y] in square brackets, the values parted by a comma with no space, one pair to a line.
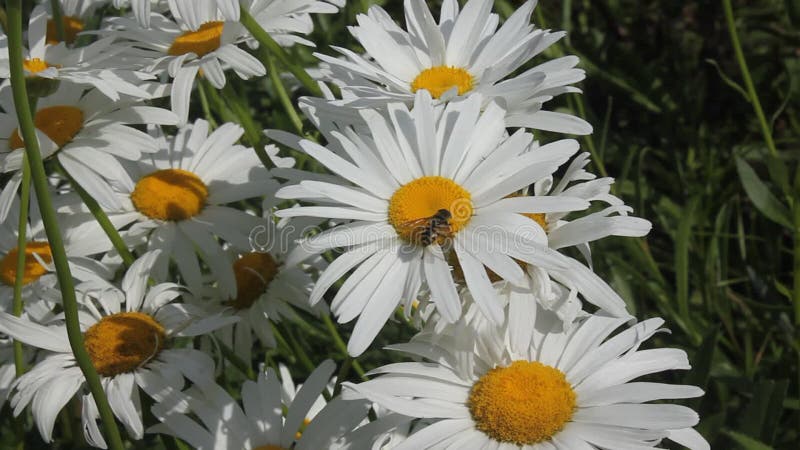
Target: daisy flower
[128,334]
[82,238]
[86,134]
[197,37]
[465,53]
[410,168]
[174,199]
[218,421]
[284,20]
[48,61]
[267,289]
[554,389]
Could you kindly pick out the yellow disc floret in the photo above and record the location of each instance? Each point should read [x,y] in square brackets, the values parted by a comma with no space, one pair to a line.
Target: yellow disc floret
[122,342]
[254,271]
[201,42]
[423,198]
[59,123]
[539,218]
[36,65]
[440,79]
[33,268]
[524,403]
[72,26]
[170,194]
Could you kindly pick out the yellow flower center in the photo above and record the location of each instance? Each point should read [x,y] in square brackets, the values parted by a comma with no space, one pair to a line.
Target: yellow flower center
[170,194]
[33,269]
[254,271]
[59,123]
[204,40]
[440,79]
[122,342]
[539,218]
[36,65]
[524,403]
[415,203]
[72,26]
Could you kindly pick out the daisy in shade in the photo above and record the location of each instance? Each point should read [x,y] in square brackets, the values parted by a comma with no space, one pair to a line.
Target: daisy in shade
[48,61]
[174,200]
[267,289]
[537,387]
[465,53]
[85,133]
[218,421]
[128,334]
[82,239]
[284,20]
[424,184]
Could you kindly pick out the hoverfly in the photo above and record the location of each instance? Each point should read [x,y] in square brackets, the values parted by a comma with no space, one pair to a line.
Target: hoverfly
[427,230]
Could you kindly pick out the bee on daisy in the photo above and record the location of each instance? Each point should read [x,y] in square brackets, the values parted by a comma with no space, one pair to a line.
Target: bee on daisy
[424,183]
[464,54]
[129,333]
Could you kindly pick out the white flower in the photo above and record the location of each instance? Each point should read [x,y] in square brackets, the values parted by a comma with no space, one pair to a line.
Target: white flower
[221,423]
[412,166]
[284,20]
[98,64]
[86,134]
[127,334]
[174,200]
[82,237]
[462,55]
[533,385]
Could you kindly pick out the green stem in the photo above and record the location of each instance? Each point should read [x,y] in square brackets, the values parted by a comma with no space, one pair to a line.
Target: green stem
[252,131]
[265,40]
[22,241]
[237,362]
[103,220]
[340,344]
[748,80]
[58,19]
[40,183]
[283,96]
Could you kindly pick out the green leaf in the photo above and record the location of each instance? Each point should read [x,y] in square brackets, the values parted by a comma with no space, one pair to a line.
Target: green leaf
[760,195]
[746,442]
[702,362]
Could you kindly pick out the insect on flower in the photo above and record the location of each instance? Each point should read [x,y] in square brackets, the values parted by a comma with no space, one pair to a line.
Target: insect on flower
[427,230]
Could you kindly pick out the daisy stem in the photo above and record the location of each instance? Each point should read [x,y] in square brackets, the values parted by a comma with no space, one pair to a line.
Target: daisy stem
[102,219]
[22,241]
[204,104]
[339,342]
[265,40]
[40,184]
[58,19]
[237,362]
[283,96]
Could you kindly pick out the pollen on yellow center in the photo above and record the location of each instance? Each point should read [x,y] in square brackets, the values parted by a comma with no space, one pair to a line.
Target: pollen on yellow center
[72,26]
[423,197]
[170,194]
[60,123]
[36,65]
[122,342]
[33,268]
[254,271]
[440,79]
[524,403]
[201,42]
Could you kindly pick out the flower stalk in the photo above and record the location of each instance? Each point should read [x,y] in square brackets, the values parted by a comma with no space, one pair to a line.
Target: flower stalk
[22,241]
[39,179]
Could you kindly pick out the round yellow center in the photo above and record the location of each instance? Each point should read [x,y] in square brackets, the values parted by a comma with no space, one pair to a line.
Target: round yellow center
[36,65]
[72,26]
[33,269]
[524,403]
[440,79]
[122,342]
[59,123]
[422,199]
[254,271]
[204,40]
[170,194]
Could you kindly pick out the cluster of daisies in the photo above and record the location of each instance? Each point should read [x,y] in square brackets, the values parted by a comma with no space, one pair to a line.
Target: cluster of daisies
[431,206]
